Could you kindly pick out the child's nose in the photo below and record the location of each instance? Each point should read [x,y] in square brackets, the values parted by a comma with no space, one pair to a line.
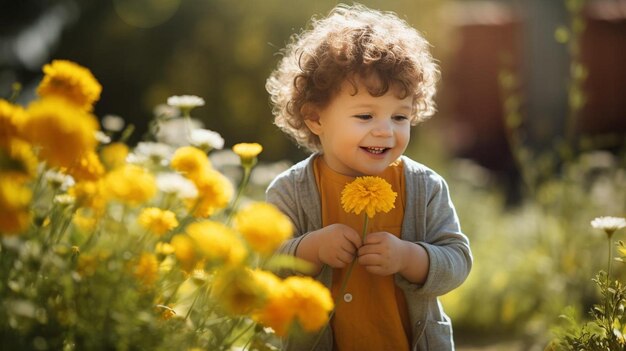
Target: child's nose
[383,129]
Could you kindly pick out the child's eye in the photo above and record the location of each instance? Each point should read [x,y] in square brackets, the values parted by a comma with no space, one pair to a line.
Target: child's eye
[363,117]
[400,118]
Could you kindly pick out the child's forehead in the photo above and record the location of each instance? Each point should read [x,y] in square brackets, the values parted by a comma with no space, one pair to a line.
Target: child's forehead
[367,85]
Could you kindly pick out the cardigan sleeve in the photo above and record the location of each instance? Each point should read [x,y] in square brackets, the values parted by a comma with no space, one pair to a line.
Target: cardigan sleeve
[282,193]
[447,247]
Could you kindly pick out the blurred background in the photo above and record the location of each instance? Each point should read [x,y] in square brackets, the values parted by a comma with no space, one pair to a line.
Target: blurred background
[530,131]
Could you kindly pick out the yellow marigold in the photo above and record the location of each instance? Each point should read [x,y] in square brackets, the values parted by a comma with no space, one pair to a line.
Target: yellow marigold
[63,132]
[263,226]
[88,167]
[214,192]
[71,82]
[114,155]
[190,161]
[17,157]
[157,221]
[12,118]
[15,200]
[237,291]
[247,152]
[131,184]
[90,194]
[217,242]
[184,250]
[277,312]
[147,269]
[312,301]
[372,194]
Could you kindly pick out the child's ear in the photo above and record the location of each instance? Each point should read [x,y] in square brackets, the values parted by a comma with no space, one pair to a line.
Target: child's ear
[311,119]
[314,125]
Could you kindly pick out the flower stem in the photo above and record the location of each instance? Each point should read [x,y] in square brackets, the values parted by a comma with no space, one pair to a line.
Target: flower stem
[608,274]
[244,183]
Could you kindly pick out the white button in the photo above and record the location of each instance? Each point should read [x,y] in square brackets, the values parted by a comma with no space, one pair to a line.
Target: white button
[347,297]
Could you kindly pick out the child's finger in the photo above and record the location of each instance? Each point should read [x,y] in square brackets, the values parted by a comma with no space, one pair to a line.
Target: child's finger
[353,237]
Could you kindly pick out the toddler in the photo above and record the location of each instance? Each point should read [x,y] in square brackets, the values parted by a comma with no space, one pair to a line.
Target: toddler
[349,89]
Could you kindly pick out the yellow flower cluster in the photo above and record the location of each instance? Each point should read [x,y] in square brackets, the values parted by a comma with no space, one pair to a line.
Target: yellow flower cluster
[214,189]
[369,194]
[100,215]
[18,166]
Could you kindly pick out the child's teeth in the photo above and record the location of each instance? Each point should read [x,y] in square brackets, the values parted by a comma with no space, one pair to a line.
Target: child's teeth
[375,150]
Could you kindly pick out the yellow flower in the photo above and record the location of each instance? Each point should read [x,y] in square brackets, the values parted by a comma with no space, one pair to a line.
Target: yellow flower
[18,158]
[88,167]
[372,194]
[248,153]
[190,161]
[217,242]
[296,298]
[238,291]
[157,221]
[63,132]
[131,184]
[214,192]
[263,226]
[312,302]
[184,251]
[114,155]
[15,200]
[12,118]
[90,194]
[278,312]
[147,269]
[71,82]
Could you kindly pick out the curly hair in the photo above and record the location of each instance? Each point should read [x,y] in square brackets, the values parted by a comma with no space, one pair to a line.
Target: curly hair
[352,41]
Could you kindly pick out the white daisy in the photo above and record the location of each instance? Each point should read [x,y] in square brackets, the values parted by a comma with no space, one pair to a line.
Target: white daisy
[59,180]
[609,224]
[155,153]
[184,102]
[176,184]
[206,139]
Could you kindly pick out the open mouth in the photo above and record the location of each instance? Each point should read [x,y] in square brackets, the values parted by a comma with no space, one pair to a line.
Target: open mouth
[375,150]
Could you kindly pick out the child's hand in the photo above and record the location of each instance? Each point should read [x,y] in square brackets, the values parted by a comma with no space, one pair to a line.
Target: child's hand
[382,253]
[338,245]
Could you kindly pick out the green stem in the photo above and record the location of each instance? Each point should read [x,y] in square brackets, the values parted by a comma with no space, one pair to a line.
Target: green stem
[608,275]
[247,170]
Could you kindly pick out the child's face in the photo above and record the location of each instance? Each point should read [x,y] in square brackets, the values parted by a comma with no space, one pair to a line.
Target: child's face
[362,134]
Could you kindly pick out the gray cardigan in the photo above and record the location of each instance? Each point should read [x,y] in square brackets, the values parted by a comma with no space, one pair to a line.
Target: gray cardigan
[430,220]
